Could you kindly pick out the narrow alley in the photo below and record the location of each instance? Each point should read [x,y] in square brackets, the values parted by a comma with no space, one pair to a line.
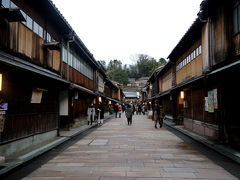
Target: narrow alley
[136,152]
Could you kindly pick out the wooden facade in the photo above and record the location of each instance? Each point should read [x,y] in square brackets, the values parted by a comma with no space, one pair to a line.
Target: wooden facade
[191,66]
[77,78]
[166,81]
[25,63]
[24,118]
[18,39]
[198,88]
[48,75]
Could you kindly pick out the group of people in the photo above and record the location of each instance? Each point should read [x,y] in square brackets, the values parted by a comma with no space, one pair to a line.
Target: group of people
[119,109]
[129,109]
[92,113]
[140,109]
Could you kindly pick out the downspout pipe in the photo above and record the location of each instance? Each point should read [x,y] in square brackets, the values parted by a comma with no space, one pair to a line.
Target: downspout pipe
[70,39]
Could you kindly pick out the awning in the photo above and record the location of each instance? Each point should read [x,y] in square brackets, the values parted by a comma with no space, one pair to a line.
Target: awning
[16,62]
[152,98]
[225,67]
[111,99]
[52,45]
[99,94]
[81,88]
[165,93]
[187,82]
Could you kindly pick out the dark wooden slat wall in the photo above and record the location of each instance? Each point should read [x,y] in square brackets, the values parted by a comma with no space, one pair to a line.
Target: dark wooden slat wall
[77,77]
[24,118]
[167,105]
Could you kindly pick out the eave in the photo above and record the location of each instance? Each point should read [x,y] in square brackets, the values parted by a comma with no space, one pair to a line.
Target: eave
[189,38]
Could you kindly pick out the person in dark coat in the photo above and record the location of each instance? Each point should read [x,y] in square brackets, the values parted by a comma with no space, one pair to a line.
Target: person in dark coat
[161,115]
[128,113]
[133,106]
[116,109]
[139,109]
[156,113]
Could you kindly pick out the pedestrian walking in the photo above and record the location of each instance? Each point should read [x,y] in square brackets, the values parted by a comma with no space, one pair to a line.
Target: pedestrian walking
[143,109]
[110,108]
[101,113]
[91,114]
[139,109]
[123,107]
[161,115]
[116,109]
[156,113]
[119,110]
[133,106]
[128,113]
[136,109]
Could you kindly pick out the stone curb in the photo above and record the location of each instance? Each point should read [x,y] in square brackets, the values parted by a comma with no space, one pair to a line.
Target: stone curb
[226,151]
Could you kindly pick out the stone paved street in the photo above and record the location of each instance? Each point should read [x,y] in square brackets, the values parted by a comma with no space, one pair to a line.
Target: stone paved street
[138,152]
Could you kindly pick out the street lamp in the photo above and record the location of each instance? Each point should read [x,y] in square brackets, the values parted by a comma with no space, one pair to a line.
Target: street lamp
[182,94]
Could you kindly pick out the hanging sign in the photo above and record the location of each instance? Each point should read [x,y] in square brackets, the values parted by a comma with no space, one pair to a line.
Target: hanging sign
[37,95]
[3,106]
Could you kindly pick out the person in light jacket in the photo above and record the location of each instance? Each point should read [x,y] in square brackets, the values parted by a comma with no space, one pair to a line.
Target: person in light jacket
[128,113]
[91,114]
[143,109]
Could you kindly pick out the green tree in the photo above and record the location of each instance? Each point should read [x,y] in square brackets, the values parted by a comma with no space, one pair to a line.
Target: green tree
[113,66]
[120,76]
[162,61]
[103,63]
[116,72]
[144,66]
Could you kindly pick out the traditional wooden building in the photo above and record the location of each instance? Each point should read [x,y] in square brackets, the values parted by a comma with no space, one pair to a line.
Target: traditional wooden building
[47,74]
[223,32]
[188,91]
[79,67]
[30,71]
[152,86]
[197,86]
[102,90]
[110,91]
[165,83]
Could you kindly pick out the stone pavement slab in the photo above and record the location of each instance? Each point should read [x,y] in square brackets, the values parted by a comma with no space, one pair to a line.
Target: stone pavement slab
[133,152]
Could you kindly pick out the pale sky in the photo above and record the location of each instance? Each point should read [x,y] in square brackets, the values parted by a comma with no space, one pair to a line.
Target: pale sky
[120,29]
